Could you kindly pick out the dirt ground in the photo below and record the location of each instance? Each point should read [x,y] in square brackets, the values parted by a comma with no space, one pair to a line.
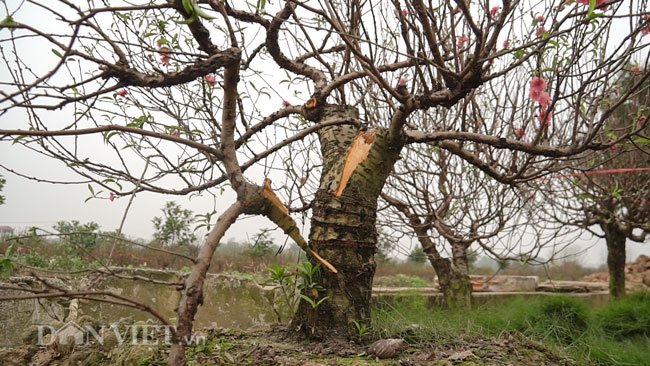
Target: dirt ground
[278,347]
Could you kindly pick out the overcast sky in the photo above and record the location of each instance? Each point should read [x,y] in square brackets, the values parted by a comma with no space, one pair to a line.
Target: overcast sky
[30,203]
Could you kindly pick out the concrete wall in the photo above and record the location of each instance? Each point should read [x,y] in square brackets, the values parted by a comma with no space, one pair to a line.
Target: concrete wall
[229,301]
[17,316]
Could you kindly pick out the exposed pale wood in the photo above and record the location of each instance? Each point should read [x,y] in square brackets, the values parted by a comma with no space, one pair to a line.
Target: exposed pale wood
[356,155]
[268,193]
[279,214]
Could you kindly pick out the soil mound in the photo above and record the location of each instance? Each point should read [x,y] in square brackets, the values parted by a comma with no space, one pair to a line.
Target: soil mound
[637,272]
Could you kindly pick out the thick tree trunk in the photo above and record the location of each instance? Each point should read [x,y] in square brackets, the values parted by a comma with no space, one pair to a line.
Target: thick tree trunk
[615,260]
[453,274]
[453,277]
[343,230]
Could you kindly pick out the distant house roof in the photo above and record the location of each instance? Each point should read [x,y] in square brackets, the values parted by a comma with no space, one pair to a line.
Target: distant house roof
[6,229]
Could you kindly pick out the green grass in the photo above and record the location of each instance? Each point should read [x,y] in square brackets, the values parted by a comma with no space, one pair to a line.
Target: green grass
[618,334]
[627,318]
[402,280]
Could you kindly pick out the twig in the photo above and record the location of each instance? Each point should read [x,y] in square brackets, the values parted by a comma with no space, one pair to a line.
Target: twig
[126,211]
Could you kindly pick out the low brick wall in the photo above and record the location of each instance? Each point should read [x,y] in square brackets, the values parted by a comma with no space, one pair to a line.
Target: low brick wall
[504,283]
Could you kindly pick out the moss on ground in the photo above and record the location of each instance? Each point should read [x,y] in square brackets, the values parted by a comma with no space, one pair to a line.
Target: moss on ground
[227,347]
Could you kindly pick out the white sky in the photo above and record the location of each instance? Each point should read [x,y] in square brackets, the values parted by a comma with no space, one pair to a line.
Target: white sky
[29,203]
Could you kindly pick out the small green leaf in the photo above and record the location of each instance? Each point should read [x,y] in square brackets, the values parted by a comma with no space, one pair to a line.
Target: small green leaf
[109,134]
[187,5]
[7,22]
[321,300]
[592,7]
[10,250]
[18,138]
[6,267]
[519,53]
[189,20]
[57,53]
[201,13]
[90,188]
[641,140]
[310,301]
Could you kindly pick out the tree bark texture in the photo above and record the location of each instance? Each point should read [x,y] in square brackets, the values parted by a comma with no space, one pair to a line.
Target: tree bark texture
[453,277]
[615,259]
[343,229]
[192,293]
[453,274]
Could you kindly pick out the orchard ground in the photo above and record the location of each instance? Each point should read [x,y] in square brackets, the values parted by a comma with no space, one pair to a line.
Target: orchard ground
[556,330]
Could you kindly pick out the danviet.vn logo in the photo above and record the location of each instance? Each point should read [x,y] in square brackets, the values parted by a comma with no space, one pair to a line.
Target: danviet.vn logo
[135,334]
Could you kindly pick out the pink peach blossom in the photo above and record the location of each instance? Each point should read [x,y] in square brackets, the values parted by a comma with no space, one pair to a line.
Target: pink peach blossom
[122,93]
[635,70]
[506,43]
[462,40]
[494,10]
[165,55]
[210,79]
[540,31]
[175,133]
[538,83]
[111,197]
[535,95]
[545,117]
[520,132]
[405,12]
[613,147]
[537,87]
[544,100]
[401,82]
[641,121]
[540,18]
